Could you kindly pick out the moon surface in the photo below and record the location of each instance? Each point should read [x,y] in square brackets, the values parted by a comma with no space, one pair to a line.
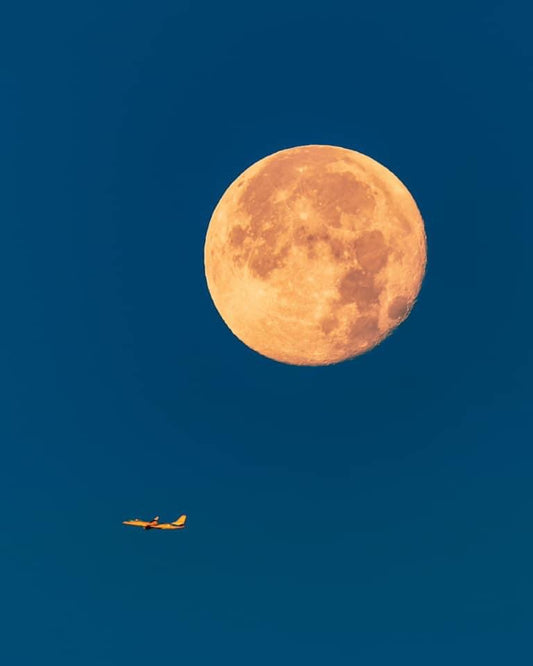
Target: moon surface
[314,255]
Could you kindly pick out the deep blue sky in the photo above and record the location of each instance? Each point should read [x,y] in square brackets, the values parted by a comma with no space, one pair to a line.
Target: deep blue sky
[376,512]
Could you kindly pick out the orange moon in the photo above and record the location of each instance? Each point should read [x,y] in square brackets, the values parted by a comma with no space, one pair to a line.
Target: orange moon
[314,255]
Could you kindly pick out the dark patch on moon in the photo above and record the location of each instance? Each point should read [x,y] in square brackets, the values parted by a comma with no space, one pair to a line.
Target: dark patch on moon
[237,236]
[371,251]
[364,330]
[278,173]
[335,193]
[300,235]
[269,234]
[264,262]
[304,237]
[398,308]
[304,174]
[358,287]
[329,324]
[337,248]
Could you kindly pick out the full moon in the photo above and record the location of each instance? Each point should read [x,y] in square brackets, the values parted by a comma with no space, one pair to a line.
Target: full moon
[314,255]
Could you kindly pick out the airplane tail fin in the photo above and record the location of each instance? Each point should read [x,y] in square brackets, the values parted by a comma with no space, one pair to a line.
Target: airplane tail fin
[180,522]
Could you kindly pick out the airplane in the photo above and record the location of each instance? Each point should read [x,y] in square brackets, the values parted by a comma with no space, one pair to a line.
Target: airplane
[154,524]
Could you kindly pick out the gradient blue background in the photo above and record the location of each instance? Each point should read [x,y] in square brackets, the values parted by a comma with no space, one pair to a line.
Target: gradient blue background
[377,512]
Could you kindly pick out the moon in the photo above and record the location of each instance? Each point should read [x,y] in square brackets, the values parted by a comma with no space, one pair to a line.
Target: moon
[314,255]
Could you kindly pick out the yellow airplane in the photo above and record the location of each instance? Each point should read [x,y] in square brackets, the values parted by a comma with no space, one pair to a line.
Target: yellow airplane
[154,524]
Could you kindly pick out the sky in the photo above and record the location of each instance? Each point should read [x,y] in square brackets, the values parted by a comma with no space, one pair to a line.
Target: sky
[374,512]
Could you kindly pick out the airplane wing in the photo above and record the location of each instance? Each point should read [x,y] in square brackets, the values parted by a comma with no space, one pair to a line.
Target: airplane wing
[135,523]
